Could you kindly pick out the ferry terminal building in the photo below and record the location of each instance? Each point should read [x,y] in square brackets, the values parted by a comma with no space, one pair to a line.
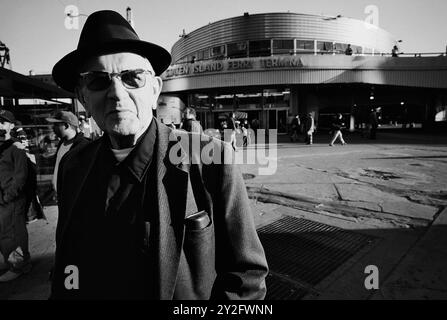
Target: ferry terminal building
[273,66]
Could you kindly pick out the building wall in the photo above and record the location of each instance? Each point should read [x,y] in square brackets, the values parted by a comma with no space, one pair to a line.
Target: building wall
[283,26]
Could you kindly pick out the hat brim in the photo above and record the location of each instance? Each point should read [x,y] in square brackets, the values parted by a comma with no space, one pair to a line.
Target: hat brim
[66,71]
[8,120]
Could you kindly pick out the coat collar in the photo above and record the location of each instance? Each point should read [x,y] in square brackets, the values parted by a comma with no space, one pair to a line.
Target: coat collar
[141,156]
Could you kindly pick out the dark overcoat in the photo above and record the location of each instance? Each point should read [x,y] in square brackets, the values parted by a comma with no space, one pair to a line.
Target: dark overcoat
[223,260]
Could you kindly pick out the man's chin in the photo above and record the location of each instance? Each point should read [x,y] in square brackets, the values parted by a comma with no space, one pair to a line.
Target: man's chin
[123,132]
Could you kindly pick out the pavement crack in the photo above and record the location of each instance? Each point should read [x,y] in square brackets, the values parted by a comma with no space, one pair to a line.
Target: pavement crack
[427,198]
[320,206]
[340,197]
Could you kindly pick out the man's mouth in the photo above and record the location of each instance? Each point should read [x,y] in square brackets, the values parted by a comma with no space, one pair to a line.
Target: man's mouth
[2,133]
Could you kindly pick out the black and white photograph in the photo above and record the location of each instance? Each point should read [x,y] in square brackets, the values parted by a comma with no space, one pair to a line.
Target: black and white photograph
[254,151]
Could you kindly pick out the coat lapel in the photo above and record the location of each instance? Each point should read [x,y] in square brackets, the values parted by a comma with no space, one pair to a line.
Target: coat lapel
[172,184]
[77,183]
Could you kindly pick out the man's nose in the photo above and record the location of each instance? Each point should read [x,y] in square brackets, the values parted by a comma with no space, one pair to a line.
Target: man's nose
[116,91]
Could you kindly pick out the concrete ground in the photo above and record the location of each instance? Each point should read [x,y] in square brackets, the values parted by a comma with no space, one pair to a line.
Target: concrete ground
[393,188]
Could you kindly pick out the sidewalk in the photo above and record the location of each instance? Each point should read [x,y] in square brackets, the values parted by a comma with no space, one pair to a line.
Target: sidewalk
[392,189]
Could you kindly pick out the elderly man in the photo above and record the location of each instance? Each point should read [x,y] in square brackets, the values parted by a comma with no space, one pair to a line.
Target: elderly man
[14,203]
[133,221]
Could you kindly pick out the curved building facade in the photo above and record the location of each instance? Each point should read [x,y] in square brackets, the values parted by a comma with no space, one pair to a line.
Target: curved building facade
[280,33]
[273,66]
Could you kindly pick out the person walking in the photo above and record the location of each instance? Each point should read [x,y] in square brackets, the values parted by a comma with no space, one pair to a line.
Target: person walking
[246,133]
[190,122]
[337,126]
[255,127]
[231,123]
[309,128]
[14,203]
[373,124]
[295,128]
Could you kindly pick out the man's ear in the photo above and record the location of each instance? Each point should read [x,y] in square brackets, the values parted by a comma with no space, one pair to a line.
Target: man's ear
[158,84]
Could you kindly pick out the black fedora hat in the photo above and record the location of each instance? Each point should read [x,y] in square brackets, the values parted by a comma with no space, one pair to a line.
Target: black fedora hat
[105,32]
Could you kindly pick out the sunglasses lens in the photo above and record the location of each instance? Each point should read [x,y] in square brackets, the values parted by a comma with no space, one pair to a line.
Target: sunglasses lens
[133,79]
[97,82]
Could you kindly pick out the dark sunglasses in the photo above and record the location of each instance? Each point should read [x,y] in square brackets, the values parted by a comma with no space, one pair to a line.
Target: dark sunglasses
[99,80]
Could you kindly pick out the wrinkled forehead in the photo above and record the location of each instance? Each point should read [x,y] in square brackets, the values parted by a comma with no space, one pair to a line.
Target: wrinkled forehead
[116,62]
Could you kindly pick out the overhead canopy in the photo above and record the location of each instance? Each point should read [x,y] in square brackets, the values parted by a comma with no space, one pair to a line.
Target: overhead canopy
[18,86]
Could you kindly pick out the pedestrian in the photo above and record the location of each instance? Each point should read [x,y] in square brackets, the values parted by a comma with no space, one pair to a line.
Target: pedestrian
[84,127]
[190,122]
[337,126]
[246,133]
[309,128]
[35,210]
[348,50]
[231,125]
[65,126]
[13,203]
[373,124]
[255,127]
[395,51]
[135,222]
[295,128]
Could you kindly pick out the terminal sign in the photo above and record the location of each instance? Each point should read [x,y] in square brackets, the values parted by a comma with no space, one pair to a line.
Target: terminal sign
[236,64]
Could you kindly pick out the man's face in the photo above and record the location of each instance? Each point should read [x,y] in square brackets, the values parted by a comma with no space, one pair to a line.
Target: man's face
[118,110]
[58,128]
[5,129]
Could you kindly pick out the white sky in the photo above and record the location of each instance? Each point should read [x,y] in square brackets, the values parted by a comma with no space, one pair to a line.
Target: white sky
[35,33]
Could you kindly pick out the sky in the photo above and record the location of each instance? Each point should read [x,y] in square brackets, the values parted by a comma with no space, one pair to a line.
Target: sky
[36,35]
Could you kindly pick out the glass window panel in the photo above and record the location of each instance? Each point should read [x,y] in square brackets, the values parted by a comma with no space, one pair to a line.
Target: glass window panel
[218,51]
[237,50]
[283,46]
[325,46]
[356,49]
[305,45]
[259,48]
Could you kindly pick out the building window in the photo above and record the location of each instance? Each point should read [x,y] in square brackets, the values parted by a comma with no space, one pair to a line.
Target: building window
[367,51]
[259,48]
[325,46]
[356,49]
[218,51]
[283,46]
[305,45]
[340,47]
[237,50]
